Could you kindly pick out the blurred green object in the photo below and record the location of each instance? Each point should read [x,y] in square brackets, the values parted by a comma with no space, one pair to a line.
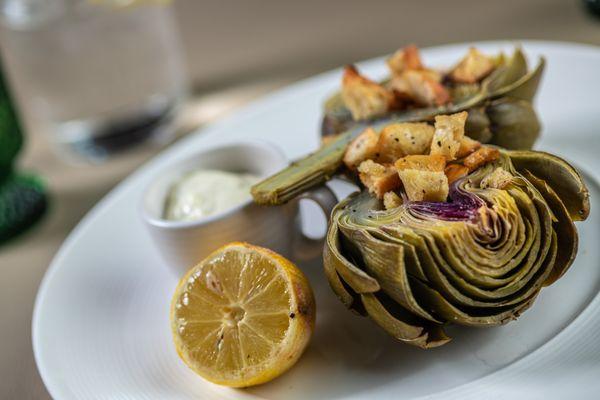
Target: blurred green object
[22,202]
[22,197]
[593,7]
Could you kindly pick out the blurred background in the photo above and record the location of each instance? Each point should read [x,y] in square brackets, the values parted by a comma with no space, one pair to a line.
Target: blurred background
[100,92]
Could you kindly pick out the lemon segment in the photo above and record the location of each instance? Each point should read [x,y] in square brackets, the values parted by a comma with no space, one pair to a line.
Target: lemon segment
[243,316]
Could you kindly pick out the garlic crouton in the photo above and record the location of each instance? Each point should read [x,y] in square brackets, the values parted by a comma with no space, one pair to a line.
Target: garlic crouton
[481,157]
[364,98]
[399,140]
[433,163]
[403,59]
[473,67]
[424,185]
[391,200]
[449,132]
[498,179]
[467,146]
[363,147]
[455,171]
[423,177]
[378,178]
[422,86]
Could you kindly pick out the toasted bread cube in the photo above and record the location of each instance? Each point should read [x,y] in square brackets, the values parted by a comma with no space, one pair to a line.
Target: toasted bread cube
[364,98]
[481,157]
[400,85]
[422,86]
[431,74]
[433,163]
[423,177]
[467,146]
[455,171]
[473,67]
[449,132]
[424,185]
[498,179]
[378,178]
[399,140]
[403,59]
[363,147]
[391,200]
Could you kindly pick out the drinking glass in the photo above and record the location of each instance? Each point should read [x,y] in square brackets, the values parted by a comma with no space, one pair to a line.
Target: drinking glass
[101,76]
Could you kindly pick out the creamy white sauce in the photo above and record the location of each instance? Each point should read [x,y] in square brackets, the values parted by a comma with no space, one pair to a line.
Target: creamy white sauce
[207,192]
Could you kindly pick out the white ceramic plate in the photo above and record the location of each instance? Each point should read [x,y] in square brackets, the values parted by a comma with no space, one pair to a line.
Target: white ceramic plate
[101,320]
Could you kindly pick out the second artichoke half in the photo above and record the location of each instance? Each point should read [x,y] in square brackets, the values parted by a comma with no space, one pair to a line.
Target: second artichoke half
[479,259]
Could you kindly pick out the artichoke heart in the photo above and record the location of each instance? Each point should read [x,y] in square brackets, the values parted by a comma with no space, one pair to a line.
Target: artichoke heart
[478,259]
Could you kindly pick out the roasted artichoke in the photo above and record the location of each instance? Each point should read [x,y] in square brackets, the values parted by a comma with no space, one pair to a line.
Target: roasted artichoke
[499,112]
[499,104]
[479,259]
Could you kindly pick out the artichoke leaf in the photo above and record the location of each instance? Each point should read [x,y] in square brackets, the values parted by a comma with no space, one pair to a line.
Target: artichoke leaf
[525,87]
[356,278]
[304,174]
[432,299]
[515,123]
[385,262]
[565,229]
[507,73]
[478,125]
[403,326]
[564,180]
[335,281]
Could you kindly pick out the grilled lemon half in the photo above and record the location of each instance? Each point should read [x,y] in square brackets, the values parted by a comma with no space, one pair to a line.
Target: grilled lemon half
[243,316]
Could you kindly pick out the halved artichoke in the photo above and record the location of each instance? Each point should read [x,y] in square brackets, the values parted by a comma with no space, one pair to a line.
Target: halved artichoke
[500,109]
[500,112]
[479,259]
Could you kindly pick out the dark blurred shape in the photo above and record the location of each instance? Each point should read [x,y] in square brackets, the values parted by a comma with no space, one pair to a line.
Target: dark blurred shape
[122,134]
[593,7]
[22,202]
[22,197]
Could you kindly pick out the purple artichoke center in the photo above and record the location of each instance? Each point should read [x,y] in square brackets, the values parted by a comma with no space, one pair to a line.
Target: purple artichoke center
[461,206]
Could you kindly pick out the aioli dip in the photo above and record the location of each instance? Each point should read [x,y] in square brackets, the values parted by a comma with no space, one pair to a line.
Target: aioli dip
[207,192]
